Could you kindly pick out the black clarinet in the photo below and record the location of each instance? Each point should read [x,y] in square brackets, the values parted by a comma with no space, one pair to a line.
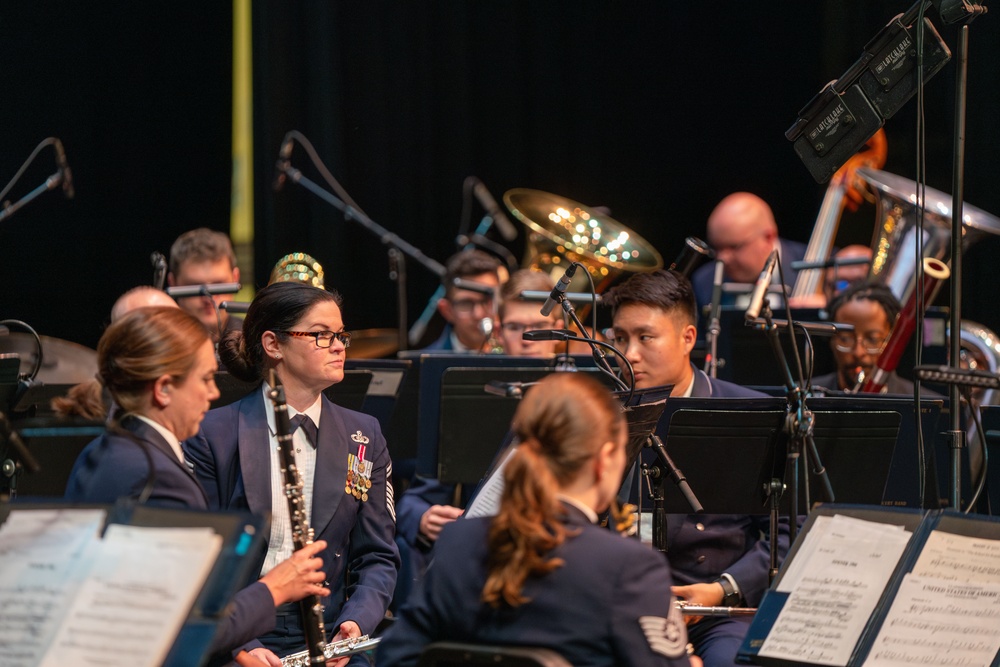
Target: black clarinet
[310,607]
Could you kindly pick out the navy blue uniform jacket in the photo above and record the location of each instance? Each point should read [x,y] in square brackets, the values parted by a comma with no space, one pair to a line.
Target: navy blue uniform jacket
[232,459]
[113,466]
[592,610]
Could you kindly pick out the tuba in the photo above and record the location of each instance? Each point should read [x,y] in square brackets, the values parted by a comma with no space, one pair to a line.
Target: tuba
[562,231]
[894,249]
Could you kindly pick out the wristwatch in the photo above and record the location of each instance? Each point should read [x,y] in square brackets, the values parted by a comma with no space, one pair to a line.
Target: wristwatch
[730,597]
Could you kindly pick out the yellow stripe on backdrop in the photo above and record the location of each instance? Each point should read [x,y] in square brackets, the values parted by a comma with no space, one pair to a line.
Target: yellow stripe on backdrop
[241,208]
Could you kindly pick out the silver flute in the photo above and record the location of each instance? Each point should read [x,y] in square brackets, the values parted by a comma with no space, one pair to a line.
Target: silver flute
[337,649]
[698,610]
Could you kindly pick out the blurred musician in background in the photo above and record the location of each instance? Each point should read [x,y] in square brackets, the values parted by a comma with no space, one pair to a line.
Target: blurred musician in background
[872,310]
[140,297]
[717,559]
[469,313]
[297,331]
[542,573]
[742,231]
[159,365]
[517,315]
[205,257]
[839,278]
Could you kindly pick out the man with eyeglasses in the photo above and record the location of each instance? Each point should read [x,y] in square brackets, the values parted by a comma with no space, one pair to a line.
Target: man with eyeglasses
[468,312]
[518,315]
[742,231]
[872,310]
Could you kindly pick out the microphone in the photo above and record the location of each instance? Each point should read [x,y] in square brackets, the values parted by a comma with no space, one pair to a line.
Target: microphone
[283,156]
[503,223]
[235,306]
[760,289]
[485,326]
[549,334]
[67,174]
[558,290]
[183,291]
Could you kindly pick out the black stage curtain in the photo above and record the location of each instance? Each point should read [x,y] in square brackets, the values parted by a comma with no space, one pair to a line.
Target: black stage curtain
[654,109]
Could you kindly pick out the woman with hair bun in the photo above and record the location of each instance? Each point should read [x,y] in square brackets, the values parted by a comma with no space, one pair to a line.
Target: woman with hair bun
[297,331]
[158,363]
[542,573]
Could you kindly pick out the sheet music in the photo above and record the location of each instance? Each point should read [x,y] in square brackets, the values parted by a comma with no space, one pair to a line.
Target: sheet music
[487,500]
[959,558]
[940,623]
[44,558]
[137,596]
[835,590]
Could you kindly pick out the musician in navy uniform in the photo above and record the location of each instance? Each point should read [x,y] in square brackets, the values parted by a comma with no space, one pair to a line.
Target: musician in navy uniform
[159,365]
[541,573]
[872,310]
[717,559]
[742,231]
[297,330]
[469,313]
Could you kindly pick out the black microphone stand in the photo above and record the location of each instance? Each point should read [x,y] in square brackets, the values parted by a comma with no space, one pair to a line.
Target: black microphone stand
[799,428]
[397,246]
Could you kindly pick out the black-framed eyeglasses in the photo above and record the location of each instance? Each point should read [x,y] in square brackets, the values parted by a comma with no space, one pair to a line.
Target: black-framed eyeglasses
[846,342]
[323,338]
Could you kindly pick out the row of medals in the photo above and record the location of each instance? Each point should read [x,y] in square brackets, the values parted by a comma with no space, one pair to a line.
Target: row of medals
[357,486]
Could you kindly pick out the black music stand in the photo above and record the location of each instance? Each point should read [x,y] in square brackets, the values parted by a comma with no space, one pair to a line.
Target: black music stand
[858,440]
[54,443]
[989,503]
[474,422]
[392,400]
[348,393]
[431,371]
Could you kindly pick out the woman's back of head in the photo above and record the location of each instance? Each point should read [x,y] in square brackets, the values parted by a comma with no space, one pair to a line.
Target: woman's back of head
[562,424]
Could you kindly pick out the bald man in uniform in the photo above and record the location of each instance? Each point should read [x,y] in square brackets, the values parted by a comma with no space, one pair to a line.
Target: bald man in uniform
[742,231]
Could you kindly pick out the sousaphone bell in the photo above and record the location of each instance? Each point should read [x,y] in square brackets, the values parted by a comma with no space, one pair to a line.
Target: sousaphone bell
[563,231]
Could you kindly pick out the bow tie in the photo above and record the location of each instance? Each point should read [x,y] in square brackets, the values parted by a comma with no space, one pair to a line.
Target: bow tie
[304,422]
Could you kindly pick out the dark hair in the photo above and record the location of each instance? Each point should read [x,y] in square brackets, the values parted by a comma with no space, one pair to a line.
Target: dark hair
[201,245]
[867,291]
[277,307]
[467,263]
[562,423]
[143,345]
[520,281]
[664,289]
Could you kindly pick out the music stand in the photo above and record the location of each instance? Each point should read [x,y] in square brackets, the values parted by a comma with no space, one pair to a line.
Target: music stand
[990,417]
[55,444]
[348,393]
[392,400]
[431,370]
[473,422]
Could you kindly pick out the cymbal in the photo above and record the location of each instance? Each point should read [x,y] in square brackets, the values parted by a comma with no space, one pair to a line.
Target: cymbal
[63,361]
[373,343]
[582,232]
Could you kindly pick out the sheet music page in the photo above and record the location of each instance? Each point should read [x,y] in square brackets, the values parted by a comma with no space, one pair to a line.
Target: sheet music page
[959,558]
[487,501]
[136,598]
[836,591]
[44,558]
[940,623]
